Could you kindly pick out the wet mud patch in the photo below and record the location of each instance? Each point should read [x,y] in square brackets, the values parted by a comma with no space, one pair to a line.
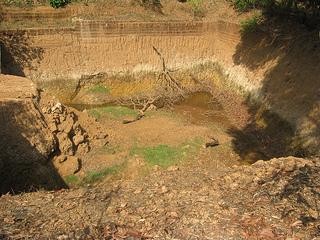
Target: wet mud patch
[202,108]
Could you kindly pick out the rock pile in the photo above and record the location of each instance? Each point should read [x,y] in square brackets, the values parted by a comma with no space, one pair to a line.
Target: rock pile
[72,139]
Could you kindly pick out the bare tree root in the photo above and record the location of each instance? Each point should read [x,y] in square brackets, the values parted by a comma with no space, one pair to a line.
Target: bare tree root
[169,90]
[165,78]
[138,117]
[144,104]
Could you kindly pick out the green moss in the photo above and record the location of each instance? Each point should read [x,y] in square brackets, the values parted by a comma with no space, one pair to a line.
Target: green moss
[95,113]
[162,155]
[95,176]
[165,155]
[72,180]
[92,176]
[114,112]
[99,89]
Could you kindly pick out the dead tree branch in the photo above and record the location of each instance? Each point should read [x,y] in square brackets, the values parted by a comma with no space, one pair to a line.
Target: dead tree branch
[169,90]
[144,106]
[165,78]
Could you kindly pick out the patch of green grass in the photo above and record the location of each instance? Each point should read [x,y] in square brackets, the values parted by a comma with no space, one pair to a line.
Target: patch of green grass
[165,155]
[162,155]
[114,112]
[72,180]
[92,176]
[250,25]
[99,89]
[243,5]
[95,113]
[95,176]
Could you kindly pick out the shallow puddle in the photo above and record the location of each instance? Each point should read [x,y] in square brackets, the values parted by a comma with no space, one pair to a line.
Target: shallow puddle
[202,108]
[198,108]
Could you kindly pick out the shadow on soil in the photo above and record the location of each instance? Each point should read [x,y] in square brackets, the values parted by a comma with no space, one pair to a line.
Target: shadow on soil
[291,88]
[17,53]
[22,167]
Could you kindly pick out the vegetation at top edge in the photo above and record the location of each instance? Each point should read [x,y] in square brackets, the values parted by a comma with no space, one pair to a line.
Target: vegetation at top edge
[150,2]
[307,7]
[303,12]
[31,3]
[250,25]
[197,8]
[154,5]
[59,3]
[244,5]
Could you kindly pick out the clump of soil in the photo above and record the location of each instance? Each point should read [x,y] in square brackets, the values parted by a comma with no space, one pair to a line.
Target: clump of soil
[41,140]
[75,132]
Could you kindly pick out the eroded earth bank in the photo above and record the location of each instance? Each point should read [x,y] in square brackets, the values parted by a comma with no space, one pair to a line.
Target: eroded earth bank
[157,130]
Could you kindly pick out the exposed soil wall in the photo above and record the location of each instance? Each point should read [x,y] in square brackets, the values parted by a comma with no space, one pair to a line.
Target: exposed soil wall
[26,143]
[97,47]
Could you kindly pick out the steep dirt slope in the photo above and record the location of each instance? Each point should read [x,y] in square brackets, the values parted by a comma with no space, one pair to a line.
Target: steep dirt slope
[25,140]
[41,141]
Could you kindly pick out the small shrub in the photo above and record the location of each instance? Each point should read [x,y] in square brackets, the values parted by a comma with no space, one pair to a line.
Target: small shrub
[72,180]
[162,155]
[245,5]
[250,25]
[197,8]
[95,176]
[154,5]
[59,3]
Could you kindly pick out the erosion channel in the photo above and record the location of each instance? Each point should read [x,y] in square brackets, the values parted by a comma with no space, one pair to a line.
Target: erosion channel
[158,130]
